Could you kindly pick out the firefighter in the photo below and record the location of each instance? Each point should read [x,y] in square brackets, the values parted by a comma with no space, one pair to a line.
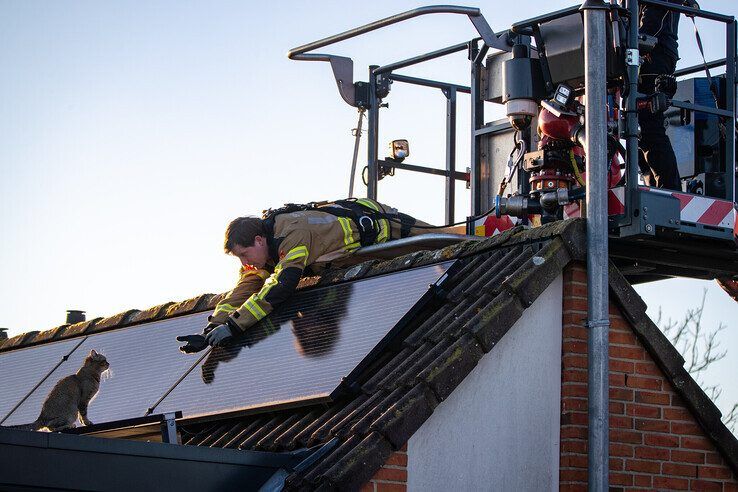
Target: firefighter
[275,251]
[656,158]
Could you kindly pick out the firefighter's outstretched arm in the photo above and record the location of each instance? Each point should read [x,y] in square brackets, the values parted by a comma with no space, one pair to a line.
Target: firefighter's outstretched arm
[250,281]
[279,286]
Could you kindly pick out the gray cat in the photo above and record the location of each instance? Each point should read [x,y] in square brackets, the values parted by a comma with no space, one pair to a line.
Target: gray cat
[70,397]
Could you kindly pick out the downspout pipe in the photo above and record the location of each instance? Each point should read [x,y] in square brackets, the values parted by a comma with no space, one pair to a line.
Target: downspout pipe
[598,322]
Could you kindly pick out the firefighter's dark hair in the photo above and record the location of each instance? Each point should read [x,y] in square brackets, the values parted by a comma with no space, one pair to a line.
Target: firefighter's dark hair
[242,232]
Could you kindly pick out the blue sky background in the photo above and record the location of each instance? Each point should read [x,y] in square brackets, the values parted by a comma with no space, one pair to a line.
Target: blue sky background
[132,132]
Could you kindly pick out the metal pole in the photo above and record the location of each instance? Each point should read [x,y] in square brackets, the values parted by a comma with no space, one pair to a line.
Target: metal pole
[631,115]
[595,13]
[731,182]
[373,135]
[450,153]
[357,141]
[477,120]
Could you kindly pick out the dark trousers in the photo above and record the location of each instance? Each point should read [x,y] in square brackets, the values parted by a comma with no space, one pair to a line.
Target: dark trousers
[656,157]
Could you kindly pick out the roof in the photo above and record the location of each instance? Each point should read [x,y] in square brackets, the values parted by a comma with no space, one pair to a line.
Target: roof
[500,277]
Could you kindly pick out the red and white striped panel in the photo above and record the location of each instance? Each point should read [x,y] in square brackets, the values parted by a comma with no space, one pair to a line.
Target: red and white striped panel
[492,225]
[702,210]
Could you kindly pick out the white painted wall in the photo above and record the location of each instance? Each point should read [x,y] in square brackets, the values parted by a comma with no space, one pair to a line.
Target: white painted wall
[499,430]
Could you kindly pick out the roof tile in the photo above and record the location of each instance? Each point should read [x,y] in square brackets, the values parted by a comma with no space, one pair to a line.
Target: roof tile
[79,328]
[322,433]
[151,314]
[189,306]
[50,335]
[492,322]
[406,416]
[358,466]
[19,340]
[115,321]
[531,279]
[445,373]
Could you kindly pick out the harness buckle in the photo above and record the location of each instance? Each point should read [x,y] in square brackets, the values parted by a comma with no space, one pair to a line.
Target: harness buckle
[366,228]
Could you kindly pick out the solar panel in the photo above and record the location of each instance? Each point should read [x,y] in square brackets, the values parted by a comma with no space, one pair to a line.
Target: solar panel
[144,362]
[310,344]
[21,370]
[301,351]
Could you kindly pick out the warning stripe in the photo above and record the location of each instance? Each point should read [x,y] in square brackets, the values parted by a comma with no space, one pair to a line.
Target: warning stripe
[717,214]
[701,210]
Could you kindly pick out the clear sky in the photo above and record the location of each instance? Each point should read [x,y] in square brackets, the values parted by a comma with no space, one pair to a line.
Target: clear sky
[132,132]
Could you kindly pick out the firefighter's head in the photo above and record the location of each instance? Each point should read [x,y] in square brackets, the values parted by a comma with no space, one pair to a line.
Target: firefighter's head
[245,238]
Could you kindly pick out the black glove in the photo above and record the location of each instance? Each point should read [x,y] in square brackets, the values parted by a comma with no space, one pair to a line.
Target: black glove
[666,84]
[219,335]
[195,343]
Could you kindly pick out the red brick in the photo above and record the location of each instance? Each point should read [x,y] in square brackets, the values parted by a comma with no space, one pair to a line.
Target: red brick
[621,366]
[621,394]
[621,479]
[619,323]
[703,485]
[661,440]
[633,353]
[652,453]
[575,273]
[687,428]
[574,461]
[391,474]
[397,459]
[652,398]
[573,475]
[642,465]
[574,447]
[714,459]
[643,411]
[713,472]
[677,414]
[617,449]
[644,383]
[575,304]
[687,456]
[572,487]
[404,448]
[617,379]
[670,483]
[577,290]
[573,432]
[677,402]
[575,333]
[651,425]
[616,464]
[574,418]
[617,408]
[391,487]
[647,369]
[679,470]
[622,337]
[693,442]
[574,347]
[574,389]
[642,480]
[730,487]
[574,376]
[621,422]
[625,436]
[573,404]
[367,487]
[570,361]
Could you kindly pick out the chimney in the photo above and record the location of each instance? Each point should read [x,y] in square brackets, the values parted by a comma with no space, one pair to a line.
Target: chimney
[4,333]
[75,316]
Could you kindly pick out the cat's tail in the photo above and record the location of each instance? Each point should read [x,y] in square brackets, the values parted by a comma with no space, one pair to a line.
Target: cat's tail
[33,426]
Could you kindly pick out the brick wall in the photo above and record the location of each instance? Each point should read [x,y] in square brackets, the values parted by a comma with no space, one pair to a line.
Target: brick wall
[655,442]
[392,477]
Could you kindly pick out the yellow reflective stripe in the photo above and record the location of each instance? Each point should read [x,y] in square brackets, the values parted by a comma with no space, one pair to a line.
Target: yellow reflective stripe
[348,235]
[254,309]
[268,284]
[295,253]
[383,223]
[224,308]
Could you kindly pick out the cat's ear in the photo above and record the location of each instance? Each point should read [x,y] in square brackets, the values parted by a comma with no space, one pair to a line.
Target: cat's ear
[93,353]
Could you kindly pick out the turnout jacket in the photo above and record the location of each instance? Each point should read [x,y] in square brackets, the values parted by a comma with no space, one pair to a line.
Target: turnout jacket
[307,238]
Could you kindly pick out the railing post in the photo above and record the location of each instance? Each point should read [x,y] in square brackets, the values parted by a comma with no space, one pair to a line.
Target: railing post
[372,136]
[450,152]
